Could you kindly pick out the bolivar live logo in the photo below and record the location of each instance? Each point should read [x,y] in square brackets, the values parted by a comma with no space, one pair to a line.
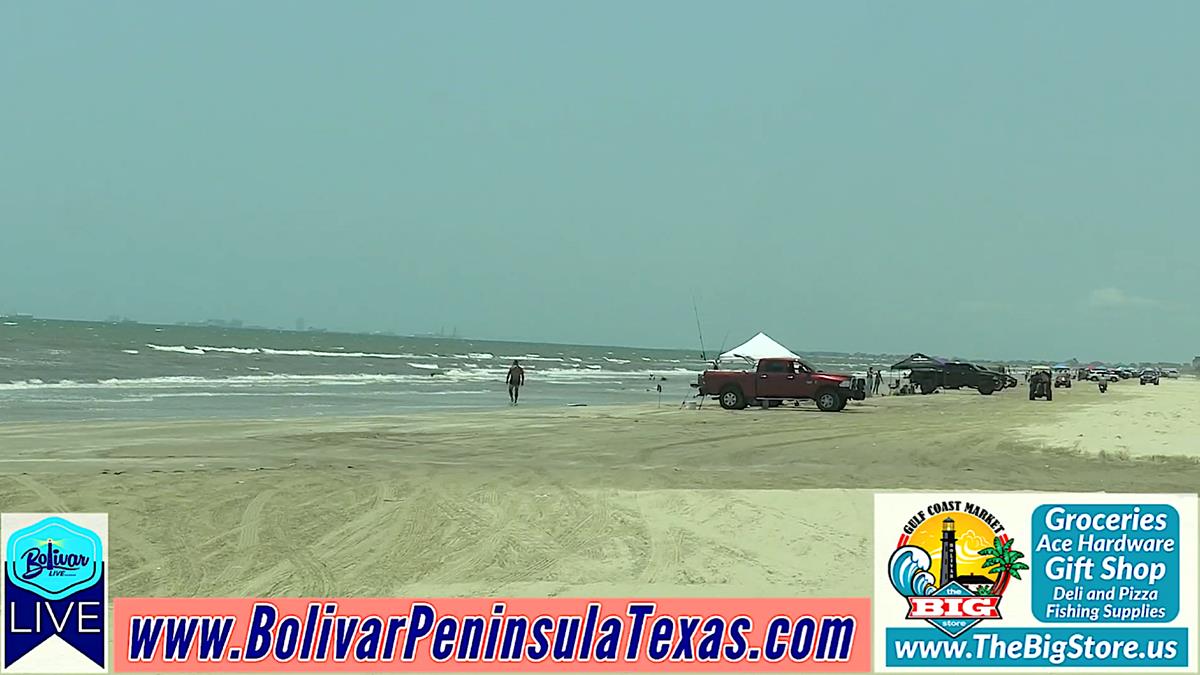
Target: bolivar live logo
[975,563]
[54,593]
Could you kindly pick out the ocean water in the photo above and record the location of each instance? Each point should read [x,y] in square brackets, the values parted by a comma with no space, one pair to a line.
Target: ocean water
[72,370]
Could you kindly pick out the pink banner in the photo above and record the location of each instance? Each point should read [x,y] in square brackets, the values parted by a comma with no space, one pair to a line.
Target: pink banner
[491,634]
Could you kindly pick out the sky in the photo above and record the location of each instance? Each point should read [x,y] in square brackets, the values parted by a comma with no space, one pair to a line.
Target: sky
[1011,179]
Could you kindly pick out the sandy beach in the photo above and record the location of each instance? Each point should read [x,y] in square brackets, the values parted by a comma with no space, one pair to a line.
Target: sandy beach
[568,501]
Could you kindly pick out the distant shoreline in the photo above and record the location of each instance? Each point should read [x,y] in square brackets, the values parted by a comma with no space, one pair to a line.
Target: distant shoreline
[885,359]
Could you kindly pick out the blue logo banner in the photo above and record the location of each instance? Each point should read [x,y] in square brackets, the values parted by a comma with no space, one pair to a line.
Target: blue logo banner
[54,587]
[54,558]
[77,620]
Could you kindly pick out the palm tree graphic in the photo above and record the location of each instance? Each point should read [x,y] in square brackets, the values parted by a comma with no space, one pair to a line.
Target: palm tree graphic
[1004,560]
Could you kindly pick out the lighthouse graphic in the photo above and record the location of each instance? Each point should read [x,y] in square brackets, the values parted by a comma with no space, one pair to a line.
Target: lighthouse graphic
[949,553]
[952,589]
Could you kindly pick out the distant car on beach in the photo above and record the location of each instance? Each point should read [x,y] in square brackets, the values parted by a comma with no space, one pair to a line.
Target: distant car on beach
[1098,374]
[1149,376]
[776,380]
[957,375]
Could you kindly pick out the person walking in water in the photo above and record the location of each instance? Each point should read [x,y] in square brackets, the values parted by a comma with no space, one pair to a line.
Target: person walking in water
[516,379]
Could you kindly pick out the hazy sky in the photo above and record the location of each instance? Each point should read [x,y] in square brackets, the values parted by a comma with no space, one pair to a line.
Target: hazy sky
[960,178]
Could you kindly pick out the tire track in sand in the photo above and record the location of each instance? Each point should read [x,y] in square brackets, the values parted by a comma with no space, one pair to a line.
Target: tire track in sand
[251,518]
[311,561]
[248,535]
[666,546]
[46,496]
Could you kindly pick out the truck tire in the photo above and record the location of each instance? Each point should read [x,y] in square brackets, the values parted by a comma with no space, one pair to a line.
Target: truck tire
[732,398]
[986,389]
[928,387]
[1032,395]
[1049,394]
[829,400]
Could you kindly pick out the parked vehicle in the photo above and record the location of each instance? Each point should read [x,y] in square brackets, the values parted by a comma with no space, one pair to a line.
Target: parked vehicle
[1149,376]
[780,379]
[1005,380]
[957,375]
[1170,373]
[1039,384]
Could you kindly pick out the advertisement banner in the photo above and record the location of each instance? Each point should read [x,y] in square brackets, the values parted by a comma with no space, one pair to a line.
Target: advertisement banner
[492,634]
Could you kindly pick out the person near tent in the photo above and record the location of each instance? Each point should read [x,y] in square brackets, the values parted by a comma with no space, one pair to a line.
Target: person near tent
[878,381]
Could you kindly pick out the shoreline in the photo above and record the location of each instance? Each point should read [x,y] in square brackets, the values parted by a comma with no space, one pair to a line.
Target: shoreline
[554,501]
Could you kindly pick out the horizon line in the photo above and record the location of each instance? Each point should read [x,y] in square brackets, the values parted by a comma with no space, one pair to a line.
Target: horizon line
[256,327]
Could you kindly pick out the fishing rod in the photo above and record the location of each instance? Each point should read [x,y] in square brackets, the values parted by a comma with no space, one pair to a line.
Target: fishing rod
[724,341]
[696,310]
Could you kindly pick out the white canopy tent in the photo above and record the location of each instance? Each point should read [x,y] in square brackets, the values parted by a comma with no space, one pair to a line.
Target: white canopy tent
[760,346]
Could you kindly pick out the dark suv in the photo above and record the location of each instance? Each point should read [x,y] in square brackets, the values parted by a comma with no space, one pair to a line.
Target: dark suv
[956,375]
[1149,377]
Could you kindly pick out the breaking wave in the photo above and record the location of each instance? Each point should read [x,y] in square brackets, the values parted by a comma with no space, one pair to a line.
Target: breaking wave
[205,349]
[470,373]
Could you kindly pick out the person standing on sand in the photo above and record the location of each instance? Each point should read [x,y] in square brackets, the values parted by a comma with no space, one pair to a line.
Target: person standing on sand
[878,381]
[515,380]
[870,378]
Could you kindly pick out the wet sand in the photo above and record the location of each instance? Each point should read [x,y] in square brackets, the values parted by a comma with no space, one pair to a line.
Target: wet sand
[569,501]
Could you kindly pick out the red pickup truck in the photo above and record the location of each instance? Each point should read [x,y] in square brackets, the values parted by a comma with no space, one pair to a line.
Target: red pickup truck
[778,380]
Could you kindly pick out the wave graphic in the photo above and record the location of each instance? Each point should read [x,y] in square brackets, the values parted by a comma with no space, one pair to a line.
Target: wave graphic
[908,569]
